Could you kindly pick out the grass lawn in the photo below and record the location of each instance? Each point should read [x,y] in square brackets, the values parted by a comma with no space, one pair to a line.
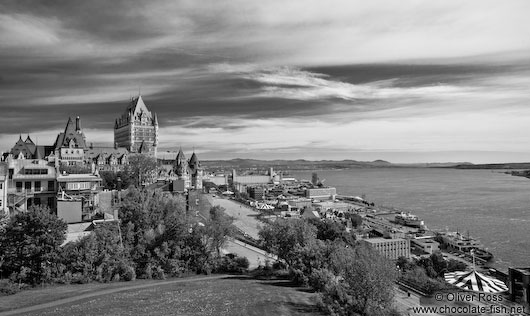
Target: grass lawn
[231,295]
[49,293]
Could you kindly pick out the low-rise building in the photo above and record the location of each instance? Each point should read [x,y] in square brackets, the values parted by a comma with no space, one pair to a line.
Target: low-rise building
[77,196]
[3,189]
[426,245]
[256,193]
[519,284]
[30,182]
[390,248]
[300,203]
[321,193]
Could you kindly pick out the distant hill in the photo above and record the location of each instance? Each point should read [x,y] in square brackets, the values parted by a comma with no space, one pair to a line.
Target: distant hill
[514,165]
[299,164]
[302,164]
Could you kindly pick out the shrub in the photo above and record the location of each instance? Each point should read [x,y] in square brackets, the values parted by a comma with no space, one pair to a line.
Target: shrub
[8,288]
[321,278]
[232,264]
[298,277]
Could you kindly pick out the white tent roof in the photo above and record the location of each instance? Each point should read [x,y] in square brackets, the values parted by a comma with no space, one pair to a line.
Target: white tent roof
[264,206]
[475,281]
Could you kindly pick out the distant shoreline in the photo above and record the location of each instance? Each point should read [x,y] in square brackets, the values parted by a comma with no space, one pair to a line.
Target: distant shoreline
[305,165]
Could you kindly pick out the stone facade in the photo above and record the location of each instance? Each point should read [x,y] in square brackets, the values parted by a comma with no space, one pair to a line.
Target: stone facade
[137,128]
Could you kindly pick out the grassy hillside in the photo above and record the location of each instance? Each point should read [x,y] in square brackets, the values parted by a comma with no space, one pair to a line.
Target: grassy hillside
[226,296]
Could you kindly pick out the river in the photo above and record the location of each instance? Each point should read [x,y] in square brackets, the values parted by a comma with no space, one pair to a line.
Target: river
[491,206]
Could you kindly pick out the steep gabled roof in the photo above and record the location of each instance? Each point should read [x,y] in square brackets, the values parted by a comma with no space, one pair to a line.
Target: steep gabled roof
[180,156]
[19,141]
[29,141]
[70,133]
[194,159]
[27,148]
[70,127]
[137,105]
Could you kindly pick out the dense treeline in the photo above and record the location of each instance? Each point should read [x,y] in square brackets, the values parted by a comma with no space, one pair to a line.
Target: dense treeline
[427,274]
[351,278]
[155,238]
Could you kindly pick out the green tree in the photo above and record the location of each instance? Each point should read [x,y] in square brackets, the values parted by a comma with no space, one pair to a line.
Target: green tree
[30,244]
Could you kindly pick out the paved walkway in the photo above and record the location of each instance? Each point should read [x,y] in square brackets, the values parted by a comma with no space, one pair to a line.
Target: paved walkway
[256,257]
[244,216]
[104,292]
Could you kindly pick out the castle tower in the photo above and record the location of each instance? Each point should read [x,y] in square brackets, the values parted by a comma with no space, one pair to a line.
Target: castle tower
[137,128]
[181,168]
[196,172]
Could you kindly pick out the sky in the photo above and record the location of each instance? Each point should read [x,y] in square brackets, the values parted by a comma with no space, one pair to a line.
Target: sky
[404,81]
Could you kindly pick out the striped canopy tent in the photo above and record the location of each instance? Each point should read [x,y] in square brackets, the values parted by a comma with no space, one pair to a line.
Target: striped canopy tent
[475,281]
[265,206]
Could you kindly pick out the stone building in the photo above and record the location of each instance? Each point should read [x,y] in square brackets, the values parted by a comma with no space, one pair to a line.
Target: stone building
[70,145]
[137,128]
[188,172]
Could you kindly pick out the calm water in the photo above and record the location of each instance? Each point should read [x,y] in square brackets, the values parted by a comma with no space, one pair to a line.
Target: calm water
[494,207]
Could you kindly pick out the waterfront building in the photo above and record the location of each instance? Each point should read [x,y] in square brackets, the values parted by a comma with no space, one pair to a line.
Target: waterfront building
[426,245]
[217,179]
[256,192]
[519,284]
[300,203]
[457,241]
[321,193]
[137,128]
[390,248]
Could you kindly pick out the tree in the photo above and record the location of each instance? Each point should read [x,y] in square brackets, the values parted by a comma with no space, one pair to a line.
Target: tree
[110,179]
[218,228]
[99,256]
[285,237]
[31,243]
[142,168]
[331,230]
[364,282]
[438,263]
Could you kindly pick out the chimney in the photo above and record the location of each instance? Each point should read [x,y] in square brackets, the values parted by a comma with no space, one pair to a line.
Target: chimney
[77,127]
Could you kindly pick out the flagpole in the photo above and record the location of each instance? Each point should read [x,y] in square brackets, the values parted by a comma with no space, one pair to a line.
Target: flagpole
[473,254]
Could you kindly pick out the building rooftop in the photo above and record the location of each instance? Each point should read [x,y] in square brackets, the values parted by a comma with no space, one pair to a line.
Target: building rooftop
[78,177]
[380,240]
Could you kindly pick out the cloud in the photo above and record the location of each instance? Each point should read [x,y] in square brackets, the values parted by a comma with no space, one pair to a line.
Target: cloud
[25,31]
[272,76]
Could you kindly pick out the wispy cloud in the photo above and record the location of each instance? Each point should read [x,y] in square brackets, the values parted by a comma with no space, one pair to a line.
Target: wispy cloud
[272,76]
